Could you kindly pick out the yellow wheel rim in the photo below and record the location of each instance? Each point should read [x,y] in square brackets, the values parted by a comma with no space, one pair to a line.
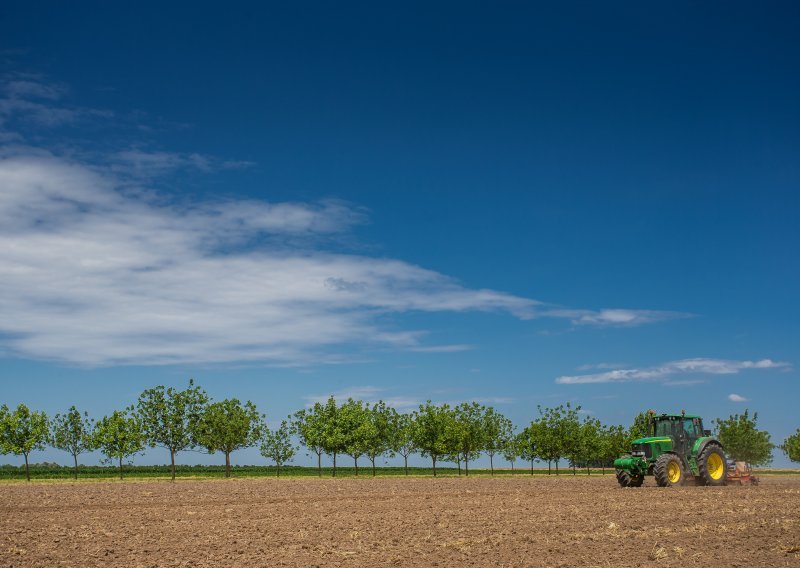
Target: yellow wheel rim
[716,468]
[673,472]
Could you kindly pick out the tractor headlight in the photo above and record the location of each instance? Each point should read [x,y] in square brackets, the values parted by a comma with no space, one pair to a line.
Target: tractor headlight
[638,454]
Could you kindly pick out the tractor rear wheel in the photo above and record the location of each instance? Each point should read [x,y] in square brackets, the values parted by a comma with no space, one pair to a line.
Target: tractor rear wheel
[668,471]
[711,465]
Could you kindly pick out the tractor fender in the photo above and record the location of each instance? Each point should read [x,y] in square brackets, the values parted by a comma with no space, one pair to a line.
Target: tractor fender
[701,444]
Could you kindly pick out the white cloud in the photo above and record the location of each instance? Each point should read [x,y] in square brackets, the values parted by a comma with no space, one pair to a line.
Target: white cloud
[684,366]
[93,276]
[615,317]
[733,397]
[96,269]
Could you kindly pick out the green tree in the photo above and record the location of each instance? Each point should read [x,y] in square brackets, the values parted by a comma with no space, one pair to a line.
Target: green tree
[565,424]
[73,433]
[334,431]
[354,427]
[430,433]
[468,431]
[615,442]
[22,431]
[169,417]
[277,445]
[227,426]
[553,439]
[640,427]
[381,420]
[791,446]
[498,431]
[512,449]
[528,441]
[591,442]
[309,426]
[402,436]
[119,436]
[743,441]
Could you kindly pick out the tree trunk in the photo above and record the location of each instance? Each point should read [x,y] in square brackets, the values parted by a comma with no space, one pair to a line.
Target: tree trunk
[573,467]
[277,469]
[491,464]
[120,467]
[319,463]
[587,469]
[531,467]
[172,459]
[512,468]
[548,467]
[405,458]
[355,459]
[458,460]
[373,466]
[434,465]
[466,465]
[27,471]
[76,466]
[556,467]
[334,464]
[227,464]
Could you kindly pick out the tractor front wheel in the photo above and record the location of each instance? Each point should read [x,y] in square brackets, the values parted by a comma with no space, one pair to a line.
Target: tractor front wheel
[668,471]
[711,465]
[625,479]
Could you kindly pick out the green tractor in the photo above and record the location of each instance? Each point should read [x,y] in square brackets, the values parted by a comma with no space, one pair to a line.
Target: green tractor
[677,450]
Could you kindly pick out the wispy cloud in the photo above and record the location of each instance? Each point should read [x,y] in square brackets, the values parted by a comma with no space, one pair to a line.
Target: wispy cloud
[372,394]
[673,368]
[442,348]
[733,397]
[614,317]
[96,268]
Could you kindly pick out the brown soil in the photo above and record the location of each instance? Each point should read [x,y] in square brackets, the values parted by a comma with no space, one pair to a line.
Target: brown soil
[406,522]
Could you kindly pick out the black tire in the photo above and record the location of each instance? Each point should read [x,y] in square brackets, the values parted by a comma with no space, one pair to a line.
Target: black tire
[625,479]
[668,471]
[712,466]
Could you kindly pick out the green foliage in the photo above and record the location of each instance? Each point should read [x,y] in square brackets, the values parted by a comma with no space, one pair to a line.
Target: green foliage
[743,441]
[309,426]
[277,445]
[591,441]
[169,417]
[498,433]
[529,440]
[335,437]
[227,426]
[791,446]
[467,433]
[73,433]
[22,431]
[401,436]
[615,441]
[512,448]
[380,432]
[119,436]
[352,426]
[640,427]
[431,429]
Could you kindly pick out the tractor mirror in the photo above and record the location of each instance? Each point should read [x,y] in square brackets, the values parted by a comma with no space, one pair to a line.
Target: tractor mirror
[706,432]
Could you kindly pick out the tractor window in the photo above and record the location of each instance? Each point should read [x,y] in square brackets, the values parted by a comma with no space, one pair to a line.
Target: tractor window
[664,427]
[688,426]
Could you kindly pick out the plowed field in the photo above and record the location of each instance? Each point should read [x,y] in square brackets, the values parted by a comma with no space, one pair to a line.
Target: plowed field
[536,521]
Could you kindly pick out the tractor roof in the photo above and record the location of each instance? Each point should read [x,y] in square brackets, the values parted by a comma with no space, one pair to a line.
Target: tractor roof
[674,416]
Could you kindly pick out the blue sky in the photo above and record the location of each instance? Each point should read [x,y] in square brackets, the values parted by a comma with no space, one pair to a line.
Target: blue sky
[518,204]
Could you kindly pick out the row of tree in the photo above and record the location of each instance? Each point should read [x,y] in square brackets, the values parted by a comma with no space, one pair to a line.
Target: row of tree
[180,420]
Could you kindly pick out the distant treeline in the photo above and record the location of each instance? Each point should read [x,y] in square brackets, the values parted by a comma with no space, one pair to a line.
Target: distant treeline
[180,420]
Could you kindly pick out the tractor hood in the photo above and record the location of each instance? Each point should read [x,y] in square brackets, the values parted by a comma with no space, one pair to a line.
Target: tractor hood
[652,439]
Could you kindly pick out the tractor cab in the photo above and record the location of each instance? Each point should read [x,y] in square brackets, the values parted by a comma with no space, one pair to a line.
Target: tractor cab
[683,429]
